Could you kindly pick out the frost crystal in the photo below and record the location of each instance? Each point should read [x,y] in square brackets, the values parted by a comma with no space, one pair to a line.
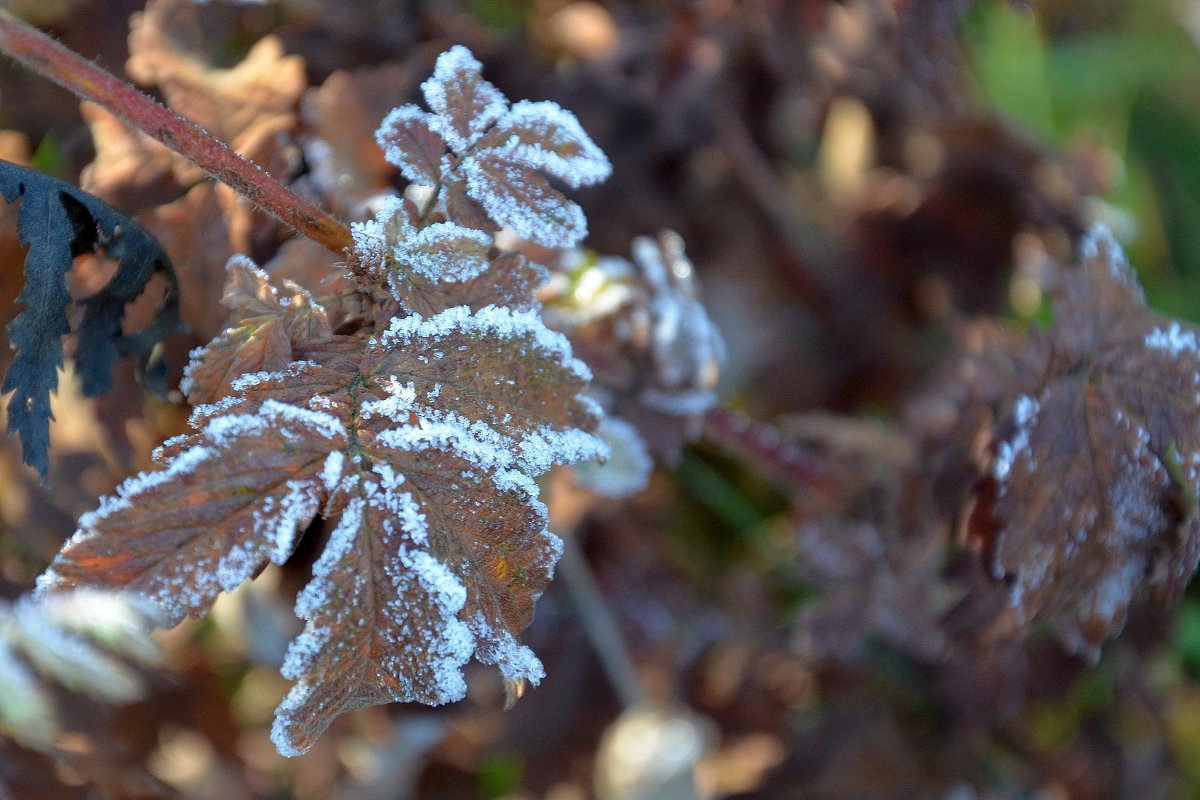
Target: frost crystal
[1174,340]
[1024,415]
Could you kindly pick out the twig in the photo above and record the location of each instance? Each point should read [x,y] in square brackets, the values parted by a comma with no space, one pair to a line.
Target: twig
[810,251]
[38,52]
[790,464]
[601,626]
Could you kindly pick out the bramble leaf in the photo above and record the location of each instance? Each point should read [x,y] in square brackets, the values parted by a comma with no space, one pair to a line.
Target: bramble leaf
[442,265]
[262,339]
[416,425]
[1090,501]
[463,103]
[499,156]
[442,251]
[409,142]
[58,222]
[422,444]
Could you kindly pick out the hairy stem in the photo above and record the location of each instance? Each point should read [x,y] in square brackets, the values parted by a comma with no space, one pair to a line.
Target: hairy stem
[38,52]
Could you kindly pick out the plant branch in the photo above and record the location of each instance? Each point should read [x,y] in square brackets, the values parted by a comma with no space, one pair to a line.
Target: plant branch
[790,465]
[601,625]
[38,52]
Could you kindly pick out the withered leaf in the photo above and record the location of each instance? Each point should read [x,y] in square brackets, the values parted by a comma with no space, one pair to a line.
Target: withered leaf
[261,338]
[421,445]
[251,107]
[58,222]
[246,106]
[341,117]
[1090,504]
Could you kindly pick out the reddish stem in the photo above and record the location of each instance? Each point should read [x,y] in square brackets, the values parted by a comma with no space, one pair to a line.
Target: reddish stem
[793,466]
[38,52]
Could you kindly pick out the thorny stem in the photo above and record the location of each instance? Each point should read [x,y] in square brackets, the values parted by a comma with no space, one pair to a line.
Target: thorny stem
[38,52]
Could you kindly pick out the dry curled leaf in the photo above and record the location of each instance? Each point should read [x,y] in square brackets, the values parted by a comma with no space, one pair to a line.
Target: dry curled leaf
[246,106]
[1090,501]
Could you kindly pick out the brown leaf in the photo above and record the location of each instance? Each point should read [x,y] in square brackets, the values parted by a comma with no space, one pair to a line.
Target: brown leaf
[194,232]
[464,103]
[1090,504]
[409,142]
[250,107]
[246,106]
[393,654]
[130,171]
[511,280]
[261,341]
[342,116]
[464,209]
[182,535]
[422,453]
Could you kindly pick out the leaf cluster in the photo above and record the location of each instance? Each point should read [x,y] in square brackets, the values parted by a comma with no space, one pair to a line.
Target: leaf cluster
[413,421]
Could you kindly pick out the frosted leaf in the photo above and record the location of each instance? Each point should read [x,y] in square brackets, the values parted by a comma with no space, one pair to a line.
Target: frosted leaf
[627,469]
[445,252]
[265,327]
[408,141]
[642,322]
[26,708]
[1089,503]
[418,436]
[500,158]
[509,280]
[57,637]
[517,197]
[379,629]
[422,444]
[464,103]
[391,247]
[546,137]
[212,519]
